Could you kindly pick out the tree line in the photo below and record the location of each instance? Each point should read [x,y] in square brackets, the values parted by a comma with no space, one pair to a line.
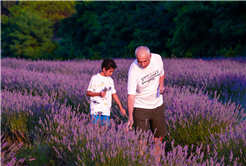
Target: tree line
[95,30]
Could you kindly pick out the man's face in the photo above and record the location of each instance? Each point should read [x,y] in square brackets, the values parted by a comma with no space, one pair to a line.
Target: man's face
[143,59]
[108,72]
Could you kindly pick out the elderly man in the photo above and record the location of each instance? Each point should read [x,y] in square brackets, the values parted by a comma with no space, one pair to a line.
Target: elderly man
[145,88]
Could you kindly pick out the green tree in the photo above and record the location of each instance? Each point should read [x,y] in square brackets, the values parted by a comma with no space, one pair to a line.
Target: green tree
[26,34]
[115,29]
[54,10]
[207,28]
[3,9]
[8,4]
[183,29]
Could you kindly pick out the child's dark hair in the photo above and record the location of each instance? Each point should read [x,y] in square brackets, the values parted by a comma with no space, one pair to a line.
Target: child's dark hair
[108,63]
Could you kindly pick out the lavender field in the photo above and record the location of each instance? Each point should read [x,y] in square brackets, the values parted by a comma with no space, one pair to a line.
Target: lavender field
[45,115]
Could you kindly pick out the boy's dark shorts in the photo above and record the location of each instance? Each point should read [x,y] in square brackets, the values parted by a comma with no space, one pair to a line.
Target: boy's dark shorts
[153,119]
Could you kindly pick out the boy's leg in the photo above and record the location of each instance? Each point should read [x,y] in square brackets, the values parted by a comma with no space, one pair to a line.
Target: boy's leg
[105,119]
[101,119]
[95,118]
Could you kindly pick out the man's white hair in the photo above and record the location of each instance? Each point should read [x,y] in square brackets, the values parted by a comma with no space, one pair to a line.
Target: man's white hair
[142,48]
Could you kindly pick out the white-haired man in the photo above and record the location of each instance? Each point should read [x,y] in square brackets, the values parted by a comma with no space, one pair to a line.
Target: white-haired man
[145,88]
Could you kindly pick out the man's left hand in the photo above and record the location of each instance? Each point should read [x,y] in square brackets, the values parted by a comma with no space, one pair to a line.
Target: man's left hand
[161,90]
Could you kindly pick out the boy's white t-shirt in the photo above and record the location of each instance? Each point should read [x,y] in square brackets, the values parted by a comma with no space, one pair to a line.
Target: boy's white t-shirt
[97,103]
[144,83]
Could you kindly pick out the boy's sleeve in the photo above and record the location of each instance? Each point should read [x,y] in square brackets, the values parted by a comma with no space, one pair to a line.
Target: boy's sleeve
[132,82]
[91,85]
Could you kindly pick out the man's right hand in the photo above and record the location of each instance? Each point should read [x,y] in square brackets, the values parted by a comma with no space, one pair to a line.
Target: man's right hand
[129,123]
[130,106]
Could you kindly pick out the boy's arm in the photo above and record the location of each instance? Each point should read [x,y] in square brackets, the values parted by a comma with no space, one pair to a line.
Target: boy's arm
[90,87]
[117,100]
[92,94]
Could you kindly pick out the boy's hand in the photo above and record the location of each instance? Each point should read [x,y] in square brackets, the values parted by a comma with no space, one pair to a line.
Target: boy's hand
[102,94]
[123,111]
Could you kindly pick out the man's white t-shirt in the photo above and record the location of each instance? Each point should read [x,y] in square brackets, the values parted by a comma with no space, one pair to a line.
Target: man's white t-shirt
[99,83]
[144,83]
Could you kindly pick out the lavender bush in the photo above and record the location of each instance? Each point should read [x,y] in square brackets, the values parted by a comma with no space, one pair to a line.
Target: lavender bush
[8,153]
[21,112]
[231,144]
[46,99]
[225,76]
[192,117]
[185,112]
[81,143]
[36,154]
[63,87]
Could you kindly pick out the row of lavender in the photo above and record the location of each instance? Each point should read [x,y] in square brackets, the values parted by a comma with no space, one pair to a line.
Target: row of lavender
[227,77]
[192,119]
[50,95]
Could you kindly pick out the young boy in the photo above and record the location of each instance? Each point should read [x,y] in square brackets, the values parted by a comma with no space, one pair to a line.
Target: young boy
[101,90]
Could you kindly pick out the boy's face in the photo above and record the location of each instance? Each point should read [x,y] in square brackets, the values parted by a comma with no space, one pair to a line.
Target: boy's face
[109,72]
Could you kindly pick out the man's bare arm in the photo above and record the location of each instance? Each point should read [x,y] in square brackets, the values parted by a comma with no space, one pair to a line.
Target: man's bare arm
[130,105]
[161,83]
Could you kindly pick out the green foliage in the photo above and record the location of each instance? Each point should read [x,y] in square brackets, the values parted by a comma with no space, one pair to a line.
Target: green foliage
[20,123]
[181,29]
[36,154]
[233,52]
[115,29]
[203,27]
[95,30]
[195,132]
[67,50]
[188,54]
[26,34]
[8,4]
[237,147]
[53,10]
